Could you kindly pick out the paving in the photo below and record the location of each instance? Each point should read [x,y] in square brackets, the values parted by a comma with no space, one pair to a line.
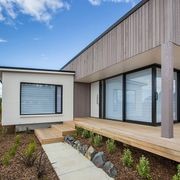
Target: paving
[69,164]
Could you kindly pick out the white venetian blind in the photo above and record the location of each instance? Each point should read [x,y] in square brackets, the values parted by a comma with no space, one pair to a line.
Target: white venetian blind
[37,99]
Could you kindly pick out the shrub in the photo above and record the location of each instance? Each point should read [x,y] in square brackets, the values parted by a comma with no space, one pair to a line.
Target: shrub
[6,159]
[12,151]
[91,138]
[111,146]
[177,176]
[85,134]
[97,140]
[17,139]
[29,156]
[79,131]
[41,165]
[127,158]
[143,168]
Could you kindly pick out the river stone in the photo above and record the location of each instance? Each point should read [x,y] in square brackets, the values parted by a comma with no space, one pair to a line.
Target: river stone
[84,148]
[69,139]
[76,144]
[79,146]
[110,169]
[99,159]
[90,153]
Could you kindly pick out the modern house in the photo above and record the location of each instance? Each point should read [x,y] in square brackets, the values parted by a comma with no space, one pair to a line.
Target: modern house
[130,73]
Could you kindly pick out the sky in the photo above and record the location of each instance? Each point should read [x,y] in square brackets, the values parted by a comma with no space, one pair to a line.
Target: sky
[48,33]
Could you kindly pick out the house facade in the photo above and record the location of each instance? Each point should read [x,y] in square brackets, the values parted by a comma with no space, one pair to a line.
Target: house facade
[131,72]
[34,98]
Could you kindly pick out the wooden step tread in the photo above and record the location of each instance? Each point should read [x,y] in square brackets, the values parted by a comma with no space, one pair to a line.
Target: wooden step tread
[48,135]
[63,129]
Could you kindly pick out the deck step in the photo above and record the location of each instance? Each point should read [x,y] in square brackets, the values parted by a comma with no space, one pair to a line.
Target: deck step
[63,129]
[69,123]
[48,135]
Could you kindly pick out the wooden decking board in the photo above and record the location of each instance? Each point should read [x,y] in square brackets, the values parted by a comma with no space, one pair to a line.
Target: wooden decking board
[63,129]
[140,136]
[48,135]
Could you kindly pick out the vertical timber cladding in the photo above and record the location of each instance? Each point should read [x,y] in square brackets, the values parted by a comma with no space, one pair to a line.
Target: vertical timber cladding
[141,30]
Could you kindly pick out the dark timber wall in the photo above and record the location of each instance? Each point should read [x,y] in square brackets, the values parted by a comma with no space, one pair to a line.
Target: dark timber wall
[81,100]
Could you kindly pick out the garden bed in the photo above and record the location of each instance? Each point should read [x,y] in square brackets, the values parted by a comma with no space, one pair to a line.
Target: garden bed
[16,170]
[160,168]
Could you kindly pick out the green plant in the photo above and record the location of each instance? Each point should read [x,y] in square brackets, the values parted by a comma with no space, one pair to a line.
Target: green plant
[41,165]
[6,159]
[12,151]
[111,146]
[17,139]
[127,158]
[177,176]
[91,138]
[97,140]
[79,131]
[85,134]
[143,168]
[29,155]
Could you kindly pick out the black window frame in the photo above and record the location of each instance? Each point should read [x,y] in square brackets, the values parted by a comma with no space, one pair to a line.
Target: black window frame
[154,94]
[46,84]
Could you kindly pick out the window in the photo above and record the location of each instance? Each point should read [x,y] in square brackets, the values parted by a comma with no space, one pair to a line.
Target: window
[158,90]
[40,99]
[139,96]
[114,98]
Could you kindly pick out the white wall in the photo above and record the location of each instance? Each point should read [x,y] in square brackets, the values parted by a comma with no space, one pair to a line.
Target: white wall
[11,97]
[95,99]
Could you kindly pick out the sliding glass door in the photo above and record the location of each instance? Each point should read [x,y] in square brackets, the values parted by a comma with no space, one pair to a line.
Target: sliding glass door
[158,90]
[139,96]
[114,98]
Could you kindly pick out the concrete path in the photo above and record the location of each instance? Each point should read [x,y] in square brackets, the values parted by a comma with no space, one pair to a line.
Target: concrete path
[69,164]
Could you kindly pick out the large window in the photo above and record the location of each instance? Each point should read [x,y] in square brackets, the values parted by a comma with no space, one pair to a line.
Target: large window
[158,90]
[40,99]
[114,98]
[139,96]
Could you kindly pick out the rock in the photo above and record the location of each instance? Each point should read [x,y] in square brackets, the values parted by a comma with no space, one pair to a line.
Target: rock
[76,144]
[79,146]
[110,169]
[99,159]
[84,148]
[69,139]
[90,153]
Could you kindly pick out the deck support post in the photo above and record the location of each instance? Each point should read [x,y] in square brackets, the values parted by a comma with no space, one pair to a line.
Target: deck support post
[167,75]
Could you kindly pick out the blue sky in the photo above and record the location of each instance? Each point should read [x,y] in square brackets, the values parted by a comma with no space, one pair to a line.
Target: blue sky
[48,33]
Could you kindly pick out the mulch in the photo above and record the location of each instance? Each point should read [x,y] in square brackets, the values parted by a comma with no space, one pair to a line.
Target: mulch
[17,170]
[161,168]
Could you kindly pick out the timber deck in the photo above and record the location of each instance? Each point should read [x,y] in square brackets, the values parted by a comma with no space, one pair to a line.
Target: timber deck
[143,137]
[55,133]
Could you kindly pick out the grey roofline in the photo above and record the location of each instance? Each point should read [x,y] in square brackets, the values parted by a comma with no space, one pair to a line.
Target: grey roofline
[135,8]
[35,69]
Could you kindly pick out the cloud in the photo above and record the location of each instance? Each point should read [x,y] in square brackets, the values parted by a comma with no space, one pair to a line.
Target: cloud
[98,2]
[39,10]
[3,40]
